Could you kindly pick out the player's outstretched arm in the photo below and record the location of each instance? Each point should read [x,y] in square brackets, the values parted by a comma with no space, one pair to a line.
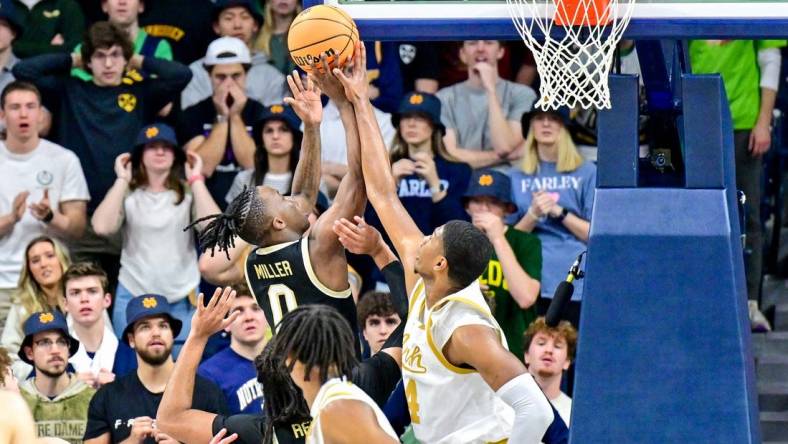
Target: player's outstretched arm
[219,270]
[351,197]
[379,181]
[507,376]
[176,417]
[363,429]
[306,103]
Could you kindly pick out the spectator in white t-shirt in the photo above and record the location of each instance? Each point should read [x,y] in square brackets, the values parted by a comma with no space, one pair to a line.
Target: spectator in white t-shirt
[42,187]
[482,114]
[277,136]
[333,149]
[549,351]
[151,204]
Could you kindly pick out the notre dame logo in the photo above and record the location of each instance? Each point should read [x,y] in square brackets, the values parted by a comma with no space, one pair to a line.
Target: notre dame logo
[127,102]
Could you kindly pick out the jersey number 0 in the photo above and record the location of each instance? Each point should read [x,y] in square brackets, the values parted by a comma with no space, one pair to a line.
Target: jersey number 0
[275,294]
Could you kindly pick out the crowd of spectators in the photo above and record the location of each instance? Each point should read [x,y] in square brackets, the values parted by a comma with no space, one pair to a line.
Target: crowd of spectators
[124,121]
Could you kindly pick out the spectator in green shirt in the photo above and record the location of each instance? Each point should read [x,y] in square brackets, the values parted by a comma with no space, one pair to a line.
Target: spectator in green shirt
[511,281]
[125,14]
[750,71]
[50,26]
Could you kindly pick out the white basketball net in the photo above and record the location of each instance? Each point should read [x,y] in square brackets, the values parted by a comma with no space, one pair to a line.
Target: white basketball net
[573,61]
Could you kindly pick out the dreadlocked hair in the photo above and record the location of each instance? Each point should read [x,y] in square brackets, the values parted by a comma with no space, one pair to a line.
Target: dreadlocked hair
[319,337]
[223,227]
[284,401]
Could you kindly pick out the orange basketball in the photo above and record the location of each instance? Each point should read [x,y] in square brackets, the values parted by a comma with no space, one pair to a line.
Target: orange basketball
[319,30]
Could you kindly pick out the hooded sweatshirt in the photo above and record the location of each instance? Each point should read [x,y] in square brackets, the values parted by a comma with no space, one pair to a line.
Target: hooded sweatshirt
[65,416]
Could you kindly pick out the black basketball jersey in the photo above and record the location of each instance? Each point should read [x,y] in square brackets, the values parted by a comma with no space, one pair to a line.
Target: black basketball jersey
[281,278]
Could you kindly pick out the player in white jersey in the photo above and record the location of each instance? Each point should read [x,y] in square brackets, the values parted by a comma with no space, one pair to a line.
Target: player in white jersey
[457,369]
[318,347]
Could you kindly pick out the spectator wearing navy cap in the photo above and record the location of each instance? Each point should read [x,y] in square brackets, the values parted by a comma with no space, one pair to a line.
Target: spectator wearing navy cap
[56,397]
[240,19]
[150,203]
[126,408]
[278,138]
[219,127]
[554,191]
[511,280]
[430,181]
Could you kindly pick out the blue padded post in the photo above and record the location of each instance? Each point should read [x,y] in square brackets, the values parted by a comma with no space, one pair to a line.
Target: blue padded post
[664,353]
[617,135]
[702,157]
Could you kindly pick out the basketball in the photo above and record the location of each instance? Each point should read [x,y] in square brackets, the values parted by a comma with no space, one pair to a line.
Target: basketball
[322,30]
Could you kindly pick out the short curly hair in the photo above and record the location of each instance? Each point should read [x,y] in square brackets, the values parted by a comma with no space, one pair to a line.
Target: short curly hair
[564,329]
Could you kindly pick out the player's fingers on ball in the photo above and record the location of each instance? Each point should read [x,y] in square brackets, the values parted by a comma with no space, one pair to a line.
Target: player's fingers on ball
[299,82]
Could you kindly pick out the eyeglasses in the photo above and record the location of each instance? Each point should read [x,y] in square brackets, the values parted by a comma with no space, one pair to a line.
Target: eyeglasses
[48,343]
[103,56]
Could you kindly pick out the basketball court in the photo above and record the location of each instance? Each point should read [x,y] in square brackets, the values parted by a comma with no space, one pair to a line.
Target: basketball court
[665,353]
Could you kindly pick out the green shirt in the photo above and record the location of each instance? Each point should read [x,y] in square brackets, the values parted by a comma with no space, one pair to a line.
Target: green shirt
[513,320]
[41,24]
[64,417]
[163,51]
[737,63]
[280,55]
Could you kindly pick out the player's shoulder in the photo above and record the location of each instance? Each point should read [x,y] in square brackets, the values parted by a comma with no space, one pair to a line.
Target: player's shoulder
[334,415]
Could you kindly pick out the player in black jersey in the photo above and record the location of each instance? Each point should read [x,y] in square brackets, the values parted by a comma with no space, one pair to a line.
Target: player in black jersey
[289,269]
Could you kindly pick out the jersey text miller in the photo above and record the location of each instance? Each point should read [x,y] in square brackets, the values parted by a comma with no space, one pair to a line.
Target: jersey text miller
[273,271]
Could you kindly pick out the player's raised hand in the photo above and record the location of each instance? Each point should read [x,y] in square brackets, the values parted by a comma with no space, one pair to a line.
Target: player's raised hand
[212,318]
[327,82]
[220,439]
[358,237]
[355,82]
[306,99]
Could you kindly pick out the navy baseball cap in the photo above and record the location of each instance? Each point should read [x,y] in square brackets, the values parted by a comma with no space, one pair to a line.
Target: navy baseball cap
[221,5]
[427,105]
[146,306]
[278,111]
[46,321]
[156,132]
[563,113]
[488,182]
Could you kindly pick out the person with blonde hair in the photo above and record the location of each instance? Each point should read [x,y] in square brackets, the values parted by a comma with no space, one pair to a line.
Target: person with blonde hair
[272,39]
[554,193]
[39,289]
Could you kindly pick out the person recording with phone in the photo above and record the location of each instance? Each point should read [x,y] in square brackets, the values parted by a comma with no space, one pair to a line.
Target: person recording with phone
[150,203]
[219,128]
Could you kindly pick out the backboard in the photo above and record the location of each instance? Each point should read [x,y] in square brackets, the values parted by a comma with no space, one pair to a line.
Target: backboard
[652,19]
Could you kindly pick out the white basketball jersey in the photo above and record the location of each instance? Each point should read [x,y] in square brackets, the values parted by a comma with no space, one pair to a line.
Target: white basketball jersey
[337,389]
[449,404]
